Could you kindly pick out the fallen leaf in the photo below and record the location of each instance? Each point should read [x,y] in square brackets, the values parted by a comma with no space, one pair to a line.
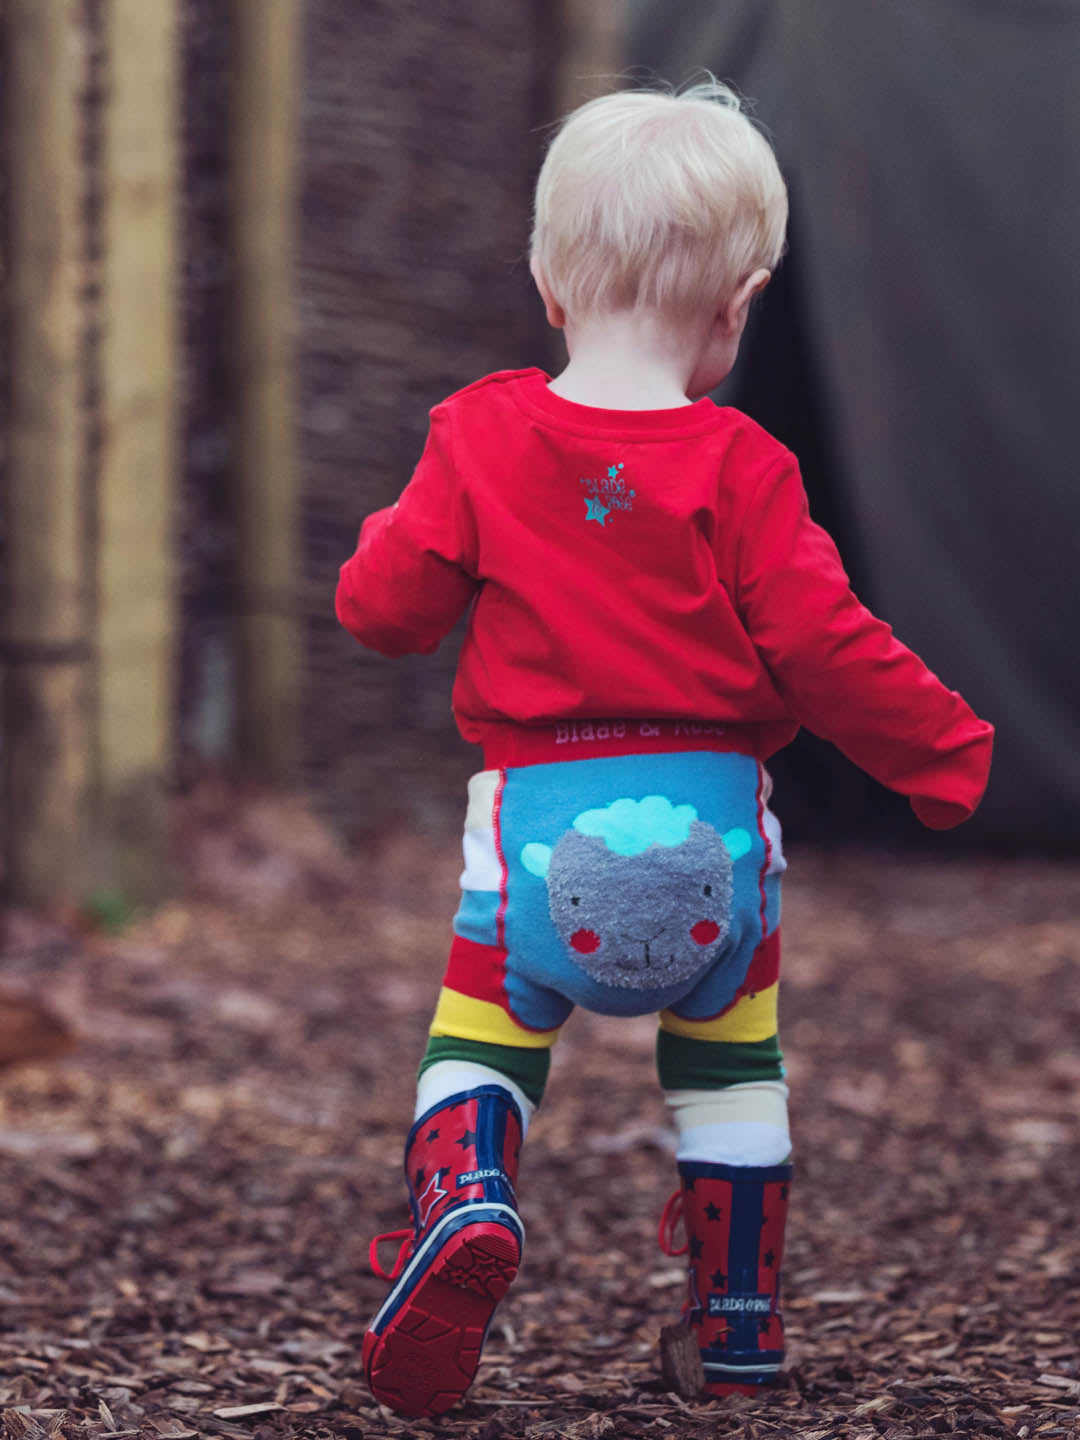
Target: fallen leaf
[244,1412]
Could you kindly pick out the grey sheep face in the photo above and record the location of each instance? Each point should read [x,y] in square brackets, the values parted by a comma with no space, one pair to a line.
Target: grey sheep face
[641,921]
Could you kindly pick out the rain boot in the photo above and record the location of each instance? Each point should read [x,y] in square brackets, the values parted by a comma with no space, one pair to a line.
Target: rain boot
[457,1260]
[734,1218]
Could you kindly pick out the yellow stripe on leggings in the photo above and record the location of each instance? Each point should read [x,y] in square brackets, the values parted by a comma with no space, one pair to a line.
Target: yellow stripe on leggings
[467,1019]
[754,1017]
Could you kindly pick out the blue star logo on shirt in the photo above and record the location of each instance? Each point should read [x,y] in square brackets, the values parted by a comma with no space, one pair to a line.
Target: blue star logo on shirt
[594,510]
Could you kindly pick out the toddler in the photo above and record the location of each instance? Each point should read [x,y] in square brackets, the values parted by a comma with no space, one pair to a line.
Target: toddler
[652,614]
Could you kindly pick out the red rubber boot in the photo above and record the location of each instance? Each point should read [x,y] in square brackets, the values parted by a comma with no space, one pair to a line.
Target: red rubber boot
[734,1217]
[422,1349]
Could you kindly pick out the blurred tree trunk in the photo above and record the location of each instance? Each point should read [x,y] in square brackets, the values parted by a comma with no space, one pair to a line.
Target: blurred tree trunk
[137,605]
[47,621]
[266,43]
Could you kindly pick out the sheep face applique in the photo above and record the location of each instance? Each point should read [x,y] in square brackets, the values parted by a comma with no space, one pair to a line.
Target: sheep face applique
[640,892]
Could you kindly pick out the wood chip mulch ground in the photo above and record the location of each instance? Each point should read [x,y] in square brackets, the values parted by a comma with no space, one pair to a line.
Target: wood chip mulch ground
[186,1199]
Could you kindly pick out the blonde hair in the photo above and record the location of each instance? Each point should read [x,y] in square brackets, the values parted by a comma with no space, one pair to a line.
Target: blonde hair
[657,200]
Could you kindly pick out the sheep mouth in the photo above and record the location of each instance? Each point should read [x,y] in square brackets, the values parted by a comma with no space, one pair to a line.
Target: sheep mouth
[632,962]
[646,955]
[638,973]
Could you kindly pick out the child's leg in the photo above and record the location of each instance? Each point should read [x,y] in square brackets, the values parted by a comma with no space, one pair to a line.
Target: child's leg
[481,1078]
[452,1063]
[723,1079]
[444,1079]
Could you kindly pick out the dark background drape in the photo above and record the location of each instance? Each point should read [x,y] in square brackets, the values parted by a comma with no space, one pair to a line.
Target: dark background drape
[920,348]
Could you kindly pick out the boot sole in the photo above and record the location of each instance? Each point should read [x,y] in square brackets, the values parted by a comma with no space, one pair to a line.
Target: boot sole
[719,1389]
[426,1358]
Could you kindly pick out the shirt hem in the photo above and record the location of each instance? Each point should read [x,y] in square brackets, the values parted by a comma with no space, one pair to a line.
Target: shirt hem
[509,744]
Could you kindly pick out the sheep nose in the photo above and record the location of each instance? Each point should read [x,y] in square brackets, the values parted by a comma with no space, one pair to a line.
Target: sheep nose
[630,939]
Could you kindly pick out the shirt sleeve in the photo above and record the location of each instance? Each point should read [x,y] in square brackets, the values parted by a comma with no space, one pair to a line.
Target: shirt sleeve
[841,670]
[413,571]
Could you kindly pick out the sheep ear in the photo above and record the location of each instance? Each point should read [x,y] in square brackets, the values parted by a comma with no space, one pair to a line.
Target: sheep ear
[537,859]
[738,843]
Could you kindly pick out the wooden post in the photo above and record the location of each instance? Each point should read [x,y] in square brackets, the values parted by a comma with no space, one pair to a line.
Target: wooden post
[47,609]
[680,1361]
[265,86]
[592,52]
[589,59]
[137,608]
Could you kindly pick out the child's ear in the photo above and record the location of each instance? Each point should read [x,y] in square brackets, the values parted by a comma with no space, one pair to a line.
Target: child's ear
[738,307]
[556,315]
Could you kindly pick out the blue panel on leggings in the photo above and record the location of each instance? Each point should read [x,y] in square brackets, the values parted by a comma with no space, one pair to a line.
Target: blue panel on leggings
[475,918]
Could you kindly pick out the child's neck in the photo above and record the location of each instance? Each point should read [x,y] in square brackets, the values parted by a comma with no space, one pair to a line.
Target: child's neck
[627,361]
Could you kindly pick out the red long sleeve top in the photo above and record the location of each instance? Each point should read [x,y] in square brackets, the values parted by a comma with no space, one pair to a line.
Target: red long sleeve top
[658,564]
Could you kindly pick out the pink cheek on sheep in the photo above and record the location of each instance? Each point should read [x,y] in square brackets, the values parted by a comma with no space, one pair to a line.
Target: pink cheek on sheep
[704,932]
[585,941]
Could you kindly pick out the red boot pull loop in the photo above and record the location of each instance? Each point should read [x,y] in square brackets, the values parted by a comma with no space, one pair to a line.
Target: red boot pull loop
[406,1243]
[669,1220]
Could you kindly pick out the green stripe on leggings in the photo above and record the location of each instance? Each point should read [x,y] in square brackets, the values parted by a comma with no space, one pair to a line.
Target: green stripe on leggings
[527,1068]
[685,1064]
